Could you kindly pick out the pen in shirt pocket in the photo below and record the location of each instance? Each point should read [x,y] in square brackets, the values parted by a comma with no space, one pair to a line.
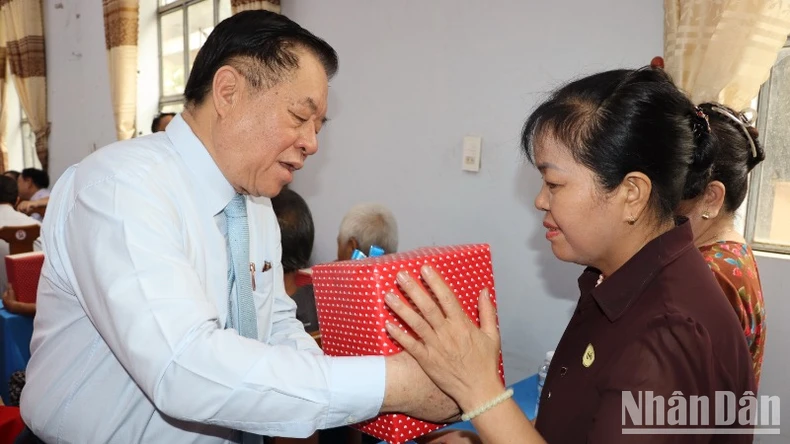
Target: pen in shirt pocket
[266,267]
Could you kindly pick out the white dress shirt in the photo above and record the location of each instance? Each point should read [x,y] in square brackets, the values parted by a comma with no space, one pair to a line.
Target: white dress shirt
[128,342]
[40,194]
[9,217]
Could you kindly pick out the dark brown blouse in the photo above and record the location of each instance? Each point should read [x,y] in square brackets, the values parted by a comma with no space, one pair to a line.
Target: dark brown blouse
[660,323]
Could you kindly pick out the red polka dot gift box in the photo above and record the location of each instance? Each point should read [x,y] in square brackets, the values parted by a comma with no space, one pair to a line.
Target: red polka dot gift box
[351,310]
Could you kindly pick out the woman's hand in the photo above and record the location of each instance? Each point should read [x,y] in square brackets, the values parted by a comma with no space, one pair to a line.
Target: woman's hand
[462,359]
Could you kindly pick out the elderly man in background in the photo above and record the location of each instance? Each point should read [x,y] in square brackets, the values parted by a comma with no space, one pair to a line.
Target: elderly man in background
[365,225]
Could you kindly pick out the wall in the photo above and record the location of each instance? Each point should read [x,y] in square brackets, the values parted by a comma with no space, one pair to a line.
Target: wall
[774,270]
[147,67]
[78,82]
[415,77]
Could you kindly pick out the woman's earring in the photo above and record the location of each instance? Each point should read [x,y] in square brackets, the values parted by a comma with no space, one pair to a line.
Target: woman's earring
[705,215]
[631,220]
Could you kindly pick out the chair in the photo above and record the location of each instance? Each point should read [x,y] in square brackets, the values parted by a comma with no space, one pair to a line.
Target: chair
[40,211]
[11,424]
[20,239]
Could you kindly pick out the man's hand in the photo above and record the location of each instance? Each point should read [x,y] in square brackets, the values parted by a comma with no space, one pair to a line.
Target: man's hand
[410,391]
[25,206]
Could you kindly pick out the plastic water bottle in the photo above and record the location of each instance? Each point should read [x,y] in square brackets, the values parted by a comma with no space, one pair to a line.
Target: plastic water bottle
[542,372]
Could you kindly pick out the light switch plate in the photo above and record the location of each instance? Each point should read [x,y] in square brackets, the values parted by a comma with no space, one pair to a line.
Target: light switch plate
[470,157]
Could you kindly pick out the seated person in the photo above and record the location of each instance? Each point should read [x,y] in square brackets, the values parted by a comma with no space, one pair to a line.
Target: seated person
[365,225]
[12,174]
[9,217]
[12,305]
[297,233]
[33,187]
[161,121]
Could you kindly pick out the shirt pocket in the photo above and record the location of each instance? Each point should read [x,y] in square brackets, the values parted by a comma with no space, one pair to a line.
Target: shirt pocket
[263,281]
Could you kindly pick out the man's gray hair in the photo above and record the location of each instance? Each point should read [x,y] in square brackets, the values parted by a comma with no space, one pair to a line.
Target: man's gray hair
[370,224]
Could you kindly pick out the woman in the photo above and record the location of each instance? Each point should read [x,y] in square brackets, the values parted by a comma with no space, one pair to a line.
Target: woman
[615,151]
[711,210]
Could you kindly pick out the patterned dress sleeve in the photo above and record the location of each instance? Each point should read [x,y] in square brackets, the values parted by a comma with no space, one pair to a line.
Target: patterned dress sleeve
[735,269]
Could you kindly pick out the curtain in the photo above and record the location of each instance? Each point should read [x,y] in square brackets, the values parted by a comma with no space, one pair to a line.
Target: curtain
[120,36]
[23,26]
[723,50]
[3,110]
[247,5]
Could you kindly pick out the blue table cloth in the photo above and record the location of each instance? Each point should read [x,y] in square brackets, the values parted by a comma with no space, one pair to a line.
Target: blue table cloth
[15,334]
[525,393]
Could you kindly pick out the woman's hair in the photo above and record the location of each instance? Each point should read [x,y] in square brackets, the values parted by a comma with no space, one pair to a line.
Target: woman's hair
[623,121]
[297,231]
[737,152]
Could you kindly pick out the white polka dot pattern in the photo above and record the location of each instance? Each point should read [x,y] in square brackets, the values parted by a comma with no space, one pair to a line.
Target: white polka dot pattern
[349,298]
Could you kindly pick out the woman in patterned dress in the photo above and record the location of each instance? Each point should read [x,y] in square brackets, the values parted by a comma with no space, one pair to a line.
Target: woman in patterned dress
[711,210]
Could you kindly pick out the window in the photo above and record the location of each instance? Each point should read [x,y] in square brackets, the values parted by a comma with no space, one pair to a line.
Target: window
[768,213]
[29,156]
[19,138]
[184,26]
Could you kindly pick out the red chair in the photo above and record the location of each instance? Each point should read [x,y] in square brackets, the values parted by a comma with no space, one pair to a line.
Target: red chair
[20,239]
[11,424]
[304,277]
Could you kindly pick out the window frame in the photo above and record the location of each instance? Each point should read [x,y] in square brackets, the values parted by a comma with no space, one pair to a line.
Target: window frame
[755,180]
[183,5]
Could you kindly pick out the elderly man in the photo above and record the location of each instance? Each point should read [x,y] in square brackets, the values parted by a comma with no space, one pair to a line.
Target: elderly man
[365,225]
[162,315]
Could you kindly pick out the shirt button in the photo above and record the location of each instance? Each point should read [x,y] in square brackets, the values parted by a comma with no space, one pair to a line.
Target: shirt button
[548,396]
[351,420]
[563,371]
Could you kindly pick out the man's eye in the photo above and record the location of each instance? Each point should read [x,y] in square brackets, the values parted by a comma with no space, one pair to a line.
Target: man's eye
[297,117]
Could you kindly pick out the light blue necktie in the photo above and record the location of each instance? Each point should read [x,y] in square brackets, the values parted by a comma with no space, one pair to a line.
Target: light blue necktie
[241,315]
[241,310]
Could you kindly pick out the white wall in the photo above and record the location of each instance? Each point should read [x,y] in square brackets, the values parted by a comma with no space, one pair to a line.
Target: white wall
[414,78]
[78,83]
[147,67]
[774,271]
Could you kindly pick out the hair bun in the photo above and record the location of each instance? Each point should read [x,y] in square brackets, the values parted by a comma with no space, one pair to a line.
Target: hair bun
[701,165]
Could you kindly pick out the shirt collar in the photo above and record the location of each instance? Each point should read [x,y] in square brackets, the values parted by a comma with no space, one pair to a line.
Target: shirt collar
[212,185]
[618,292]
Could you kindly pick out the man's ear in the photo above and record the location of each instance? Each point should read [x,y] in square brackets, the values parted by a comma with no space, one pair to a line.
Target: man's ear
[225,90]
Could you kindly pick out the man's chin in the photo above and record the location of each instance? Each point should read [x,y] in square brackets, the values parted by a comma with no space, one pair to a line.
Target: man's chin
[270,191]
